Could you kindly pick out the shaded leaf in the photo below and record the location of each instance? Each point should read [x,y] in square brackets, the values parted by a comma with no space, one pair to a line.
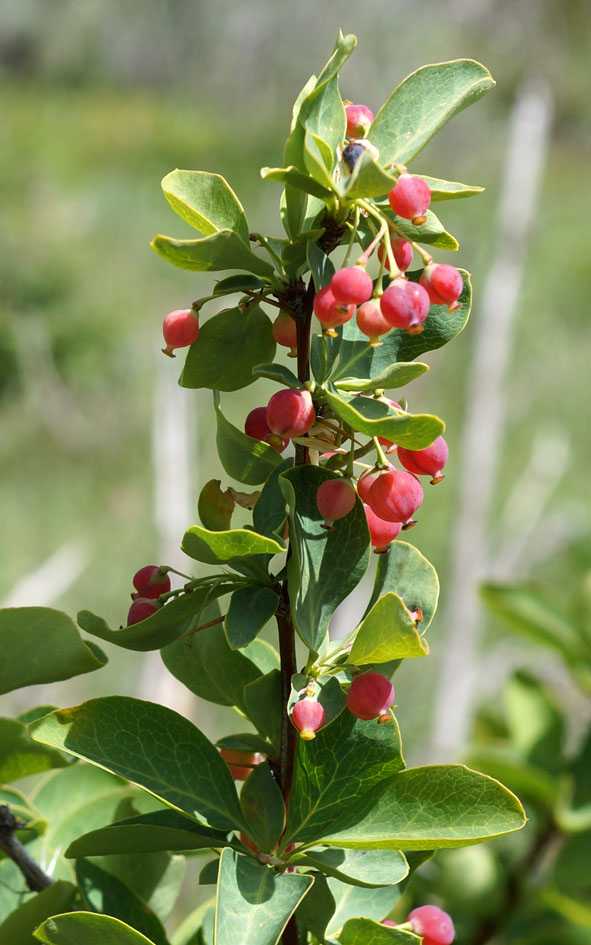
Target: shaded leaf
[352,901]
[407,573]
[228,347]
[250,609]
[321,266]
[18,927]
[147,833]
[368,868]
[376,418]
[20,756]
[73,928]
[263,807]
[370,932]
[248,460]
[279,373]
[396,375]
[263,706]
[270,513]
[215,507]
[106,894]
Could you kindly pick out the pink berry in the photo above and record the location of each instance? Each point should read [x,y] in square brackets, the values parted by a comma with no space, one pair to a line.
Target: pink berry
[433,924]
[410,198]
[239,762]
[370,697]
[443,283]
[395,496]
[151,582]
[285,333]
[307,716]
[402,251]
[388,922]
[180,328]
[366,481]
[329,312]
[290,412]
[351,286]
[335,498]
[406,305]
[256,426]
[359,120]
[141,609]
[372,323]
[427,462]
[381,532]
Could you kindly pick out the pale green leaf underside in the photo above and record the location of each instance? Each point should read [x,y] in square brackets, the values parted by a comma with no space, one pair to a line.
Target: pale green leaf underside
[221,250]
[449,189]
[376,418]
[75,928]
[220,547]
[387,633]
[205,201]
[395,375]
[147,833]
[367,868]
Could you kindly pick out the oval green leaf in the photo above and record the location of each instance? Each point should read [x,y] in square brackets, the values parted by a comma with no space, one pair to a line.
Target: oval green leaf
[407,573]
[228,347]
[245,459]
[148,833]
[222,250]
[376,418]
[388,632]
[206,202]
[249,610]
[73,928]
[222,547]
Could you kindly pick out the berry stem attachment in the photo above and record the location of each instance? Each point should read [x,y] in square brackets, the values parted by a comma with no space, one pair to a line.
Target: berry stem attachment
[383,221]
[381,461]
[363,259]
[353,227]
[425,256]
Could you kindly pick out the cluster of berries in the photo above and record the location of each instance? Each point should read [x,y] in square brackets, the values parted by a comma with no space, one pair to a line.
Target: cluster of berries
[430,922]
[370,696]
[149,582]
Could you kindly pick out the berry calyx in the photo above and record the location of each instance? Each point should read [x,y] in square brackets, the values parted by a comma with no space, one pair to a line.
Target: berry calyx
[141,609]
[433,924]
[351,286]
[290,412]
[395,496]
[307,716]
[180,328]
[285,333]
[240,762]
[410,198]
[405,305]
[151,582]
[335,498]
[372,323]
[443,283]
[402,252]
[359,120]
[381,532]
[257,427]
[329,312]
[427,462]
[370,697]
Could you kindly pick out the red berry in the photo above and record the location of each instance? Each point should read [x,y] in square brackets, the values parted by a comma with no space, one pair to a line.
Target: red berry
[359,119]
[366,481]
[381,532]
[371,322]
[290,412]
[402,251]
[335,498]
[151,582]
[351,286]
[405,304]
[443,283]
[433,924]
[370,696]
[239,762]
[329,312]
[410,198]
[307,716]
[256,426]
[180,328]
[395,496]
[141,609]
[427,462]
[285,333]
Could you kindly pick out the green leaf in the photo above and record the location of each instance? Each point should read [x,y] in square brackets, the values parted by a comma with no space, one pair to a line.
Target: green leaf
[215,507]
[147,833]
[270,513]
[325,566]
[228,347]
[41,645]
[422,104]
[397,374]
[298,179]
[358,359]
[244,741]
[429,808]
[279,373]
[432,231]
[449,189]
[322,116]
[526,780]
[387,633]
[18,927]
[222,547]
[239,283]
[170,622]
[370,932]
[321,266]
[222,250]
[207,666]
[152,746]
[250,609]
[324,352]
[368,868]
[75,928]
[20,756]
[245,459]
[367,180]
[332,771]
[376,418]
[352,901]
[254,902]
[106,894]
[407,573]
[205,201]
[263,706]
[317,908]
[263,807]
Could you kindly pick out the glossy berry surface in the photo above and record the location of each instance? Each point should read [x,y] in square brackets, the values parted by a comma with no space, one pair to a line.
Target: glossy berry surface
[359,119]
[180,328]
[141,609]
[290,412]
[443,283]
[335,498]
[285,332]
[402,252]
[381,532]
[366,481]
[239,762]
[405,305]
[256,426]
[370,696]
[328,311]
[433,924]
[151,582]
[371,322]
[352,153]
[410,198]
[427,462]
[395,496]
[351,286]
[307,715]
